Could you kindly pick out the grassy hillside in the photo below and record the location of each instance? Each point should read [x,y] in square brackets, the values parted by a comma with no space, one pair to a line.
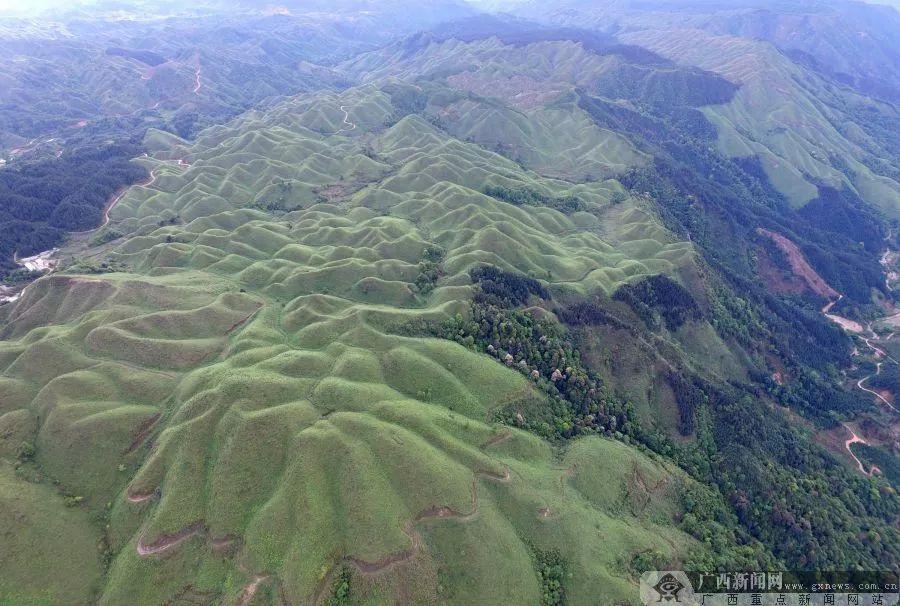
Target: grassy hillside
[815,98]
[76,75]
[250,343]
[806,133]
[50,552]
[486,328]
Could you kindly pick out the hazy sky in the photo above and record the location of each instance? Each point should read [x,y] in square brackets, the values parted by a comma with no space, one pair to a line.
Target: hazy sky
[20,6]
[39,6]
[32,6]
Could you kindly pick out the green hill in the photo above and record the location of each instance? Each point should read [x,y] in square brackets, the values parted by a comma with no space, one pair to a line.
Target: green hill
[499,324]
[263,355]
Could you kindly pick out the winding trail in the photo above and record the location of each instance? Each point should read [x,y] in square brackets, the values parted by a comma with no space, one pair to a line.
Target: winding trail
[435,511]
[845,323]
[496,439]
[143,433]
[165,542]
[855,439]
[348,125]
[859,384]
[115,199]
[867,334]
[250,590]
[139,498]
[118,197]
[168,541]
[409,528]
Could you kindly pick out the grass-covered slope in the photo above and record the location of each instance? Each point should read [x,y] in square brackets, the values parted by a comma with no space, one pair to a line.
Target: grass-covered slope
[808,119]
[50,553]
[239,381]
[509,98]
[75,75]
[228,390]
[806,132]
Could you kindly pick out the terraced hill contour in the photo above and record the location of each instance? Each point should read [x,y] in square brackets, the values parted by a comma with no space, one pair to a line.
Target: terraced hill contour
[238,403]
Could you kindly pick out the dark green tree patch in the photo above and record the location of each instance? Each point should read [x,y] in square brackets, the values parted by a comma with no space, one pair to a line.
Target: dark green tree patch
[552,570]
[531,197]
[659,296]
[340,587]
[41,201]
[430,269]
[588,313]
[504,289]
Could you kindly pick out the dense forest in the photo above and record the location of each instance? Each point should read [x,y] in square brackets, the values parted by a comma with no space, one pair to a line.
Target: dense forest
[40,202]
[531,197]
[659,297]
[768,482]
[773,479]
[713,199]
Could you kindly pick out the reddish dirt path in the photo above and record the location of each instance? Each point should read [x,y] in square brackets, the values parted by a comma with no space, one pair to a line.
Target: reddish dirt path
[139,498]
[115,199]
[168,541]
[845,323]
[500,438]
[250,590]
[143,431]
[409,528]
[435,511]
[855,439]
[244,320]
[25,149]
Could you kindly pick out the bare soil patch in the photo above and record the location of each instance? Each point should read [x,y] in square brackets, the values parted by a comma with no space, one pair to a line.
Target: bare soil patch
[799,265]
